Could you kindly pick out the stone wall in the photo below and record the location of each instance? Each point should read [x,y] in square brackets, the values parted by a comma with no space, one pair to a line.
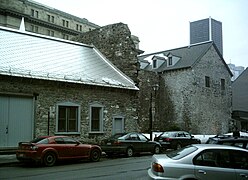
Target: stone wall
[197,108]
[115,42]
[115,101]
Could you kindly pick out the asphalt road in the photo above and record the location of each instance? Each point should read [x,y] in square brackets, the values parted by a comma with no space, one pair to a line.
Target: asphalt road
[118,168]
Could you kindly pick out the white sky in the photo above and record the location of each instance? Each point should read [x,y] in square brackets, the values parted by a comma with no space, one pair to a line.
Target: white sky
[164,24]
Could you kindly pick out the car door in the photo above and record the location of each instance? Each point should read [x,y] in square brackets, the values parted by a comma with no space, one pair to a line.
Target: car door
[146,144]
[134,141]
[208,165]
[240,163]
[73,148]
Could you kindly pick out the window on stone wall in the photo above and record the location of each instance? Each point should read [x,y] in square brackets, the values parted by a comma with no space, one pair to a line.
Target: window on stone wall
[222,84]
[207,81]
[96,118]
[170,60]
[68,118]
[154,64]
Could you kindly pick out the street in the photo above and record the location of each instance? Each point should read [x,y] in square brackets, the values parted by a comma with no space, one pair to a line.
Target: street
[108,168]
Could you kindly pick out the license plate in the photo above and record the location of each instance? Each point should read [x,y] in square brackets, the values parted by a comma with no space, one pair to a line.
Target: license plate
[108,143]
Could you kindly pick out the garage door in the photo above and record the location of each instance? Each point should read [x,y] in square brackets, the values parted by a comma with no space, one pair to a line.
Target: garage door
[16,120]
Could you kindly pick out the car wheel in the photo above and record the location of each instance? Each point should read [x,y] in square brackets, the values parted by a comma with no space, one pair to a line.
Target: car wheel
[178,146]
[95,155]
[49,159]
[129,152]
[156,150]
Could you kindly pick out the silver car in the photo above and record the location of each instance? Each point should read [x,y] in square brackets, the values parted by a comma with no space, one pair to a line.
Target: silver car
[201,161]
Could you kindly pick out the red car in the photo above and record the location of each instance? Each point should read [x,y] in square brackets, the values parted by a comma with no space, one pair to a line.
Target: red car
[49,149]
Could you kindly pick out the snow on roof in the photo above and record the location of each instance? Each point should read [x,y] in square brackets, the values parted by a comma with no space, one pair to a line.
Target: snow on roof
[37,56]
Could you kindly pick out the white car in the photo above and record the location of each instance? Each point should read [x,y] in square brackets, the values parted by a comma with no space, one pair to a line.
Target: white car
[201,162]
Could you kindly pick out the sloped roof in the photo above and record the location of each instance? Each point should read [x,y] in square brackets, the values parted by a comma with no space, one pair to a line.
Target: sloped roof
[239,92]
[188,55]
[36,56]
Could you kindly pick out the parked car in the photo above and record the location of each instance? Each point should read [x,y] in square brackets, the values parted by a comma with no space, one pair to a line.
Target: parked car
[129,144]
[201,161]
[49,149]
[176,139]
[227,140]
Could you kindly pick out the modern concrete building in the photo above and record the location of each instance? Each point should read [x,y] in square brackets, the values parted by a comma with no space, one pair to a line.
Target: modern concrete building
[236,70]
[207,30]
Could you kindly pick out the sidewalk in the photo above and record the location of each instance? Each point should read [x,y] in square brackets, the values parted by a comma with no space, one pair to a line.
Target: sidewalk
[7,159]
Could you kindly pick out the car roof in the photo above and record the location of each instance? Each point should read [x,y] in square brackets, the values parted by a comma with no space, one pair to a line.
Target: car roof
[217,146]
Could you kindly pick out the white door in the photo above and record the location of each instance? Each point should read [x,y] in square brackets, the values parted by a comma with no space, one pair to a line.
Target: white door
[16,120]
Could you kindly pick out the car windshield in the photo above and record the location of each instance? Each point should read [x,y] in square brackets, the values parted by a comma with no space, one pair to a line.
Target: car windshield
[178,154]
[40,140]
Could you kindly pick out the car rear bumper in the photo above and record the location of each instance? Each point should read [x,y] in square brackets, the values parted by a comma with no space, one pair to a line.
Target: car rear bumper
[27,156]
[153,176]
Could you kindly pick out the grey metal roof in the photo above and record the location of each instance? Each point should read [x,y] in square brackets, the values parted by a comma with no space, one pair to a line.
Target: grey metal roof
[188,55]
[36,56]
[239,92]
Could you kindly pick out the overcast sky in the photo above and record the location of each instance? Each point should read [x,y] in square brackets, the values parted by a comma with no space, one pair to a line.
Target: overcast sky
[164,24]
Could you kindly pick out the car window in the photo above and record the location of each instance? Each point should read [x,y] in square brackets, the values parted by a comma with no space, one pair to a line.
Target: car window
[69,141]
[180,134]
[37,140]
[59,140]
[240,159]
[43,141]
[214,158]
[178,154]
[132,137]
[187,135]
[142,137]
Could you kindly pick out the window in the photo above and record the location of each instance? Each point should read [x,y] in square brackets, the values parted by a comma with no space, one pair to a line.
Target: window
[170,61]
[79,27]
[34,29]
[65,23]
[65,36]
[207,81]
[50,33]
[50,18]
[154,64]
[222,84]
[34,13]
[68,118]
[96,118]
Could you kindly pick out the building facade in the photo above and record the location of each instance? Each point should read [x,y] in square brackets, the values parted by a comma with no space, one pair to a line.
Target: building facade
[207,30]
[42,19]
[51,86]
[194,90]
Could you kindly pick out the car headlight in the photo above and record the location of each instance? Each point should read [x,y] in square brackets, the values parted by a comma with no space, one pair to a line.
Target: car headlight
[34,148]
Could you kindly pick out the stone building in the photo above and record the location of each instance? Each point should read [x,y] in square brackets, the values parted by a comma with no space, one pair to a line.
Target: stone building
[194,89]
[117,44]
[51,86]
[42,19]
[240,101]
